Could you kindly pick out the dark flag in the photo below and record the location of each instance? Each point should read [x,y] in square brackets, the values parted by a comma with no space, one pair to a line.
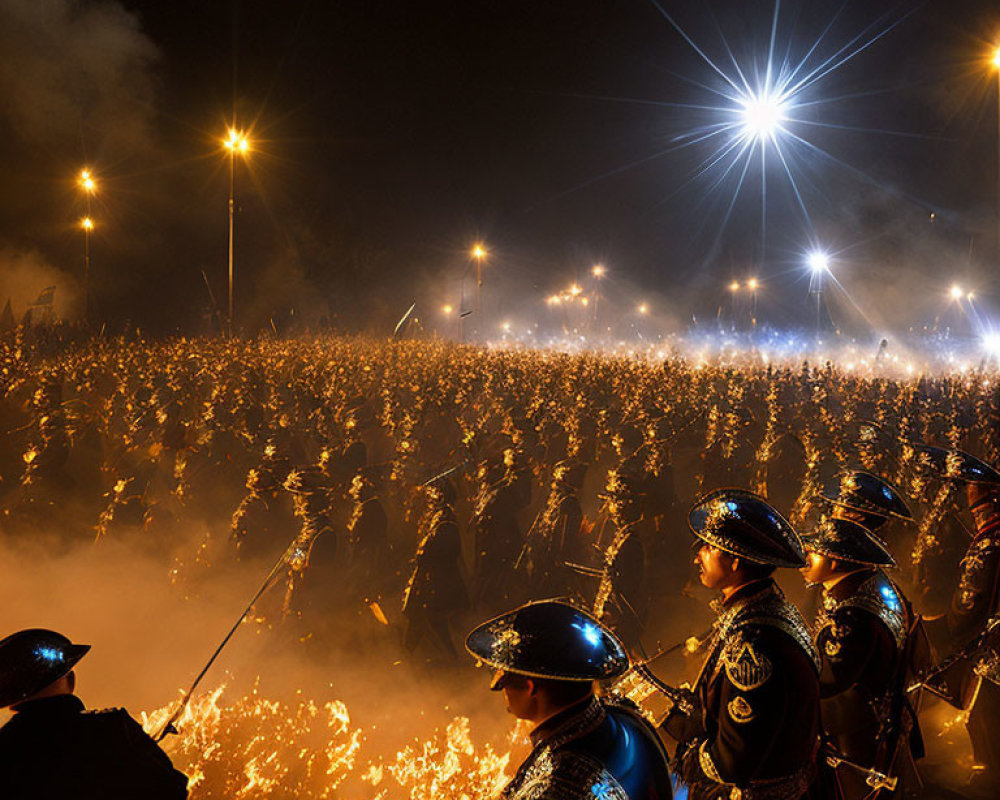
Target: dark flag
[45,298]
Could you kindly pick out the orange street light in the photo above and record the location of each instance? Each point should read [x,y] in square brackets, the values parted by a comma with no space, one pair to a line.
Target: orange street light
[734,286]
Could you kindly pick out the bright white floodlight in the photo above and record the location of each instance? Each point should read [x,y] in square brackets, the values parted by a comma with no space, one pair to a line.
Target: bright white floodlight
[819,263]
[762,115]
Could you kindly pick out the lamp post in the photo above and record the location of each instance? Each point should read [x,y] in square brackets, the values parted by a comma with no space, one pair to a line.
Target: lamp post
[479,253]
[237,142]
[87,224]
[752,285]
[598,272]
[89,186]
[819,263]
[996,66]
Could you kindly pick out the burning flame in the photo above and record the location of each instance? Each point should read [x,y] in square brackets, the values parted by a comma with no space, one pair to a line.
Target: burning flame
[254,747]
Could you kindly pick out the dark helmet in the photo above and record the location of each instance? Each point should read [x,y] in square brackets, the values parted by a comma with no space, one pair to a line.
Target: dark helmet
[844,540]
[951,464]
[32,659]
[866,493]
[743,524]
[549,639]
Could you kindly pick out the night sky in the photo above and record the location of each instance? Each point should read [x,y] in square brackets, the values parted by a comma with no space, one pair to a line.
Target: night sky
[389,136]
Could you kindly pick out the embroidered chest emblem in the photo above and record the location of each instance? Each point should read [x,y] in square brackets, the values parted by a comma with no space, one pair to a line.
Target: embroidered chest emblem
[746,667]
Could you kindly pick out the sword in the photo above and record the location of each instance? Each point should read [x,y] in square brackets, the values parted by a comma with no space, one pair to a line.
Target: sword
[873,778]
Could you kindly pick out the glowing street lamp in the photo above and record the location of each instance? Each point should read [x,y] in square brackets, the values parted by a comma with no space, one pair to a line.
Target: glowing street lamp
[956,292]
[643,309]
[575,290]
[761,114]
[447,310]
[734,287]
[597,271]
[88,184]
[237,142]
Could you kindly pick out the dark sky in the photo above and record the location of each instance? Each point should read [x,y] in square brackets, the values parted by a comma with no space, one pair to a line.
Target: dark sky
[389,136]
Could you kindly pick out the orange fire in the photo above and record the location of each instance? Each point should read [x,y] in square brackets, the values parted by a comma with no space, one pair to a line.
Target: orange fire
[255,747]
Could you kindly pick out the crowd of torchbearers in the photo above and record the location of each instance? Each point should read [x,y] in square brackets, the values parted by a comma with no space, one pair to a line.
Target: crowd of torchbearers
[431,486]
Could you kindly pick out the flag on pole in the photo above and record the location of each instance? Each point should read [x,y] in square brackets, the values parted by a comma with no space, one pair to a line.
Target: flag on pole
[45,298]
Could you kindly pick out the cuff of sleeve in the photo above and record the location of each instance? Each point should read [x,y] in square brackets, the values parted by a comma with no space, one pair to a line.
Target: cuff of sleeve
[707,764]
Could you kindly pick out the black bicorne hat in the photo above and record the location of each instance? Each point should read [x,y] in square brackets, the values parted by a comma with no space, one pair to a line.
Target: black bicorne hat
[861,491]
[951,464]
[549,639]
[844,540]
[32,659]
[745,525]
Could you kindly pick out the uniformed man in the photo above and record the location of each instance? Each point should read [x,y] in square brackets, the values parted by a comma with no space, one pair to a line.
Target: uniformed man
[52,749]
[866,634]
[548,656]
[972,679]
[755,730]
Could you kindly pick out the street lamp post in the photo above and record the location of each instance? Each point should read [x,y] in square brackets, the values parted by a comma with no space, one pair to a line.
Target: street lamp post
[597,272]
[752,285]
[734,289]
[996,66]
[237,141]
[89,186]
[479,253]
[819,263]
[88,225]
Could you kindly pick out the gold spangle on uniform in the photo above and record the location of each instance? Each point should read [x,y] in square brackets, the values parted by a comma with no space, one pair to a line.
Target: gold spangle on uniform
[746,668]
[740,710]
[832,648]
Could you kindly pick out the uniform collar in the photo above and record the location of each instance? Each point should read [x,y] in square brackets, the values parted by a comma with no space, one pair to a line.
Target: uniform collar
[747,590]
[548,727]
[58,704]
[849,584]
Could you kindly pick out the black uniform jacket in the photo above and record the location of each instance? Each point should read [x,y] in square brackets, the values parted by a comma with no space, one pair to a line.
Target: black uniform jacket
[860,636]
[593,751]
[759,692]
[52,749]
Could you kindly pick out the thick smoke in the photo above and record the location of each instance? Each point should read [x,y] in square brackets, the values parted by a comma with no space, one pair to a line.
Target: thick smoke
[70,69]
[24,274]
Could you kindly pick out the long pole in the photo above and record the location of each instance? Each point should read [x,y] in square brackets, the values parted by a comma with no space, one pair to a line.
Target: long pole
[86,264]
[998,156]
[232,208]
[819,307]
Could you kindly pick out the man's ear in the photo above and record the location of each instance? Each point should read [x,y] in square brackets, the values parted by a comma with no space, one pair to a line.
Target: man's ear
[734,564]
[531,686]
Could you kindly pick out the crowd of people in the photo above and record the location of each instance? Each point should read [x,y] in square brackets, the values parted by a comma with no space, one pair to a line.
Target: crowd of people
[432,486]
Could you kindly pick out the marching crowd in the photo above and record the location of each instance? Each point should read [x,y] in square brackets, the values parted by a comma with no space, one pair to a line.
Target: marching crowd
[432,486]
